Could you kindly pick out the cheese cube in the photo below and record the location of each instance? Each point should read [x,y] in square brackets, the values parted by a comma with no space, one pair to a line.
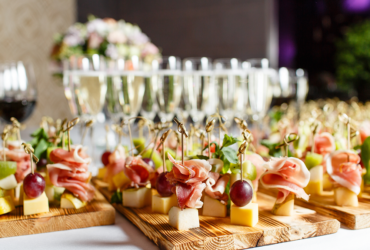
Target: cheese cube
[6,205]
[183,219]
[47,178]
[162,205]
[101,173]
[315,185]
[49,191]
[8,182]
[286,208]
[345,197]
[245,216]
[35,206]
[137,197]
[18,195]
[213,207]
[54,193]
[70,201]
[120,179]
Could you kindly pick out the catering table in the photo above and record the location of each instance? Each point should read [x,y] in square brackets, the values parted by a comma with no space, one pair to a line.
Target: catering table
[124,235]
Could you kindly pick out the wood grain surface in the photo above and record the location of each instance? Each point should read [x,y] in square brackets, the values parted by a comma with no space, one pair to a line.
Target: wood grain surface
[218,233]
[97,213]
[351,217]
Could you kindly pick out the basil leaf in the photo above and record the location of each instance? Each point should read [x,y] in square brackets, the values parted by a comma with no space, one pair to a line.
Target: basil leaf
[365,157]
[226,167]
[230,155]
[201,157]
[116,197]
[41,148]
[36,133]
[229,140]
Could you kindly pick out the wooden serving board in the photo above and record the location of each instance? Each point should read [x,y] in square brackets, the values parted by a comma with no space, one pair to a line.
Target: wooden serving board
[351,217]
[97,213]
[218,233]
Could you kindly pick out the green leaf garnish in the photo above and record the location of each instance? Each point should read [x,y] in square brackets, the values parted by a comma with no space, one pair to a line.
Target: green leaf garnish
[116,197]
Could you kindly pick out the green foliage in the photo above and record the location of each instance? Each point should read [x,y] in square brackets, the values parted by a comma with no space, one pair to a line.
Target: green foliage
[353,56]
[273,151]
[365,157]
[40,142]
[116,197]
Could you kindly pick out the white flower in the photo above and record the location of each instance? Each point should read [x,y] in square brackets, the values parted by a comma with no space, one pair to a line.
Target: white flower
[122,50]
[74,36]
[97,25]
[149,49]
[116,36]
[111,51]
[134,51]
[94,41]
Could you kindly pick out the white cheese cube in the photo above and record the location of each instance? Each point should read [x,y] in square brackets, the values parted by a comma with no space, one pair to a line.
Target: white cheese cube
[245,216]
[137,197]
[35,206]
[183,219]
[162,205]
[345,197]
[8,182]
[213,207]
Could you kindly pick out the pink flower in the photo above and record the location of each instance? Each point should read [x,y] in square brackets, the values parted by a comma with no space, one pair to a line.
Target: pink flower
[149,49]
[94,40]
[116,36]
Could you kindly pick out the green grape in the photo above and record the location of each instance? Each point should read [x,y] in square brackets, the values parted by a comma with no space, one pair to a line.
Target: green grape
[157,158]
[249,170]
[7,168]
[313,160]
[139,144]
[169,151]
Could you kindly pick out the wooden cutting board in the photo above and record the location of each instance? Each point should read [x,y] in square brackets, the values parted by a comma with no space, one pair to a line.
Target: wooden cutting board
[218,233]
[351,217]
[97,213]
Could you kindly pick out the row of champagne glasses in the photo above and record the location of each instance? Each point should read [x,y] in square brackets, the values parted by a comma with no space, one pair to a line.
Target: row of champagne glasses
[195,87]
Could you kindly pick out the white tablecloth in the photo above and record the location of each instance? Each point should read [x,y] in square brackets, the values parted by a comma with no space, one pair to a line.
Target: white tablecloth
[124,236]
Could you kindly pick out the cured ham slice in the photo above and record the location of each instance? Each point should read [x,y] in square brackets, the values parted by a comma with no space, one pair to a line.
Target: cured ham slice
[137,170]
[364,130]
[216,185]
[23,162]
[287,174]
[189,195]
[71,172]
[117,160]
[344,168]
[193,171]
[259,163]
[324,143]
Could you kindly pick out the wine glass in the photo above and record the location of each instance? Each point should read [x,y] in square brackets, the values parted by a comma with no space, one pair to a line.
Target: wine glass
[302,87]
[198,88]
[166,76]
[18,91]
[230,80]
[125,87]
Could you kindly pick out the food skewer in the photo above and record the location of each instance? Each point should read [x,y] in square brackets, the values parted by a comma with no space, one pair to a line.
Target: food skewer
[162,141]
[87,125]
[209,127]
[182,130]
[70,125]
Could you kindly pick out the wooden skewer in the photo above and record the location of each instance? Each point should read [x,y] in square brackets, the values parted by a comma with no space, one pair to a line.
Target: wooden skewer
[4,137]
[162,143]
[29,150]
[209,127]
[288,140]
[70,125]
[87,125]
[182,130]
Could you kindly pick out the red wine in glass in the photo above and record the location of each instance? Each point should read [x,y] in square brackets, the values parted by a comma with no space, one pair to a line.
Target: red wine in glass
[20,109]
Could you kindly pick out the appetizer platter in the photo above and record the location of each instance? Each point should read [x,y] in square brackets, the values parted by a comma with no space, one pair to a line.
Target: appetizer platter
[182,194]
[53,195]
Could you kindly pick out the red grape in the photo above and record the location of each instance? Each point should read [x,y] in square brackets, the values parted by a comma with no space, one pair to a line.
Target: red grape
[241,193]
[150,162]
[42,162]
[34,185]
[105,158]
[163,186]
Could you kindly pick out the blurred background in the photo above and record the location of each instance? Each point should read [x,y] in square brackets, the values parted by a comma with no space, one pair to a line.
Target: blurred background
[330,39]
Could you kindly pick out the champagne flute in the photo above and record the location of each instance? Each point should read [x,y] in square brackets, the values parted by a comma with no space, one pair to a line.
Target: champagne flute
[302,87]
[231,87]
[18,91]
[198,87]
[166,76]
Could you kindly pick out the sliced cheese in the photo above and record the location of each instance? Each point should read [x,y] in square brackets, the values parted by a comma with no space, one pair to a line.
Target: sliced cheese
[8,182]
[137,197]
[70,201]
[245,216]
[162,205]
[35,206]
[213,207]
[183,219]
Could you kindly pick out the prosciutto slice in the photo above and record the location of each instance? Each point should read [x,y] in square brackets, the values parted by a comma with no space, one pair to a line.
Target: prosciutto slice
[364,130]
[193,171]
[215,186]
[287,174]
[117,160]
[188,179]
[23,162]
[259,163]
[324,143]
[70,170]
[137,170]
[344,168]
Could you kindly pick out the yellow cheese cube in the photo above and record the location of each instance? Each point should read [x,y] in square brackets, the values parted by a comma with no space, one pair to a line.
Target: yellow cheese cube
[183,219]
[327,184]
[49,191]
[162,205]
[314,187]
[111,186]
[137,197]
[47,179]
[345,197]
[6,205]
[245,216]
[101,173]
[286,208]
[18,195]
[70,201]
[35,206]
[213,207]
[121,179]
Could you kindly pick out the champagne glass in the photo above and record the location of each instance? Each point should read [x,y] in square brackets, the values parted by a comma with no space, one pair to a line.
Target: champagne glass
[125,87]
[18,91]
[166,76]
[231,87]
[302,87]
[198,87]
